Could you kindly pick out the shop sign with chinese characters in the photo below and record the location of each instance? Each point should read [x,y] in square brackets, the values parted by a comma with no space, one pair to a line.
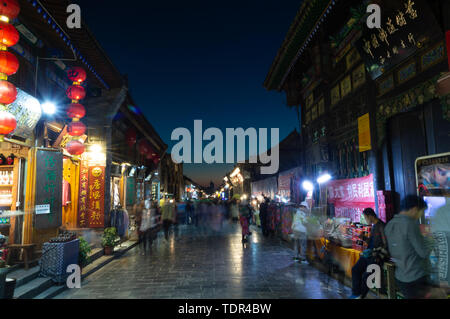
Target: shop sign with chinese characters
[96,197]
[83,197]
[49,176]
[401,34]
[351,196]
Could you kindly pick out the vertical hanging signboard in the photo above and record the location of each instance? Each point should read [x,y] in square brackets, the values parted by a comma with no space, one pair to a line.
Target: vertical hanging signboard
[49,178]
[364,133]
[83,197]
[96,197]
[131,191]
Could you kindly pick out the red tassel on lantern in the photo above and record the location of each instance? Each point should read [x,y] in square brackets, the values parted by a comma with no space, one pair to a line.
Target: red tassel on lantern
[8,34]
[76,111]
[75,148]
[76,128]
[8,92]
[8,63]
[8,124]
[76,92]
[77,74]
[9,8]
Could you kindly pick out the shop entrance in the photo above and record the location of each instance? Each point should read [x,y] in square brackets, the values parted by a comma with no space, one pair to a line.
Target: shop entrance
[420,132]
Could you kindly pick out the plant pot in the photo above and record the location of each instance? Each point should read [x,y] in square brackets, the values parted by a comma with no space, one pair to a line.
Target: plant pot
[109,250]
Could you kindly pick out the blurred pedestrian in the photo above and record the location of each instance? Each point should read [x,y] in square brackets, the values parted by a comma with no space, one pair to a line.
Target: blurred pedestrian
[142,225]
[408,249]
[244,213]
[299,232]
[263,210]
[168,216]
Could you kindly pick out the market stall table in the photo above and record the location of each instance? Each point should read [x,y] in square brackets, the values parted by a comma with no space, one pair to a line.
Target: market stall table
[345,257]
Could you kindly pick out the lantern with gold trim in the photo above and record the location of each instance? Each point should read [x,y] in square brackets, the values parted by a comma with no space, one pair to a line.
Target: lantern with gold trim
[9,64]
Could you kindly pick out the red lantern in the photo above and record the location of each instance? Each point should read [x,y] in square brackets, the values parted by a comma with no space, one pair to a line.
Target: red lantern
[8,124]
[76,111]
[75,148]
[76,92]
[156,160]
[8,63]
[131,137]
[76,128]
[8,34]
[144,148]
[77,74]
[8,92]
[9,8]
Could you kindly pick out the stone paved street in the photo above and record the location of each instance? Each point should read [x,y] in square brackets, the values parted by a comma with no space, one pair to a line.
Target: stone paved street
[213,265]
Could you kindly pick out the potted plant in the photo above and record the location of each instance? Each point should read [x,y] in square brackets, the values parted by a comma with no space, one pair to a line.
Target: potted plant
[84,251]
[109,238]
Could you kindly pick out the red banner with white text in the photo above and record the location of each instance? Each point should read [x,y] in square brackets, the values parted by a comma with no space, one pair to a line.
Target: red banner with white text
[351,196]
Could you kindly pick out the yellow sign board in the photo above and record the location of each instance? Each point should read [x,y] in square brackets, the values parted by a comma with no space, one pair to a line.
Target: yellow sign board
[364,133]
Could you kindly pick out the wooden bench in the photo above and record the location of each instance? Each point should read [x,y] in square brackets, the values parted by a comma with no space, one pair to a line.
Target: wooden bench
[27,252]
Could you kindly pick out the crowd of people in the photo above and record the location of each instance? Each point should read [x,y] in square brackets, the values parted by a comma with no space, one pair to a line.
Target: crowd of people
[400,241]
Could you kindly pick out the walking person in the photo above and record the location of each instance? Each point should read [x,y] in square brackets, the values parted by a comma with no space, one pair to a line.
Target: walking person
[377,243]
[168,216]
[142,225]
[408,249]
[263,211]
[299,233]
[244,212]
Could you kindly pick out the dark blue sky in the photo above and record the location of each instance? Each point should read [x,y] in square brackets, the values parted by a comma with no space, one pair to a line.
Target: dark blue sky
[190,60]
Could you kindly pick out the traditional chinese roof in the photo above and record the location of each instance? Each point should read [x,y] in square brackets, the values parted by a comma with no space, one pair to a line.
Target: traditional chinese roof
[47,22]
[310,15]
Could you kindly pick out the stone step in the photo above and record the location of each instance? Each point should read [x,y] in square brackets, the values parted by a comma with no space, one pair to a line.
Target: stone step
[96,265]
[51,292]
[33,288]
[23,276]
[95,254]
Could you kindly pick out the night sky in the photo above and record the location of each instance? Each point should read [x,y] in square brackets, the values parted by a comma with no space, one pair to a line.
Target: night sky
[206,60]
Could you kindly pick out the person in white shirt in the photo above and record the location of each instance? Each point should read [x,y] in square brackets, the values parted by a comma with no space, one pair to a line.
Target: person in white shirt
[299,232]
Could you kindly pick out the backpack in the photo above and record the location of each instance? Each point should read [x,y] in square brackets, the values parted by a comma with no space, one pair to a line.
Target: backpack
[381,254]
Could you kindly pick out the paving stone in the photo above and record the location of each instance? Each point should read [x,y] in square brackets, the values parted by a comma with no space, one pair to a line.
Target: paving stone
[207,267]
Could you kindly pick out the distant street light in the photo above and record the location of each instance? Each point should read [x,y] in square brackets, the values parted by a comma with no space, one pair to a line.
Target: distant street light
[308,186]
[324,179]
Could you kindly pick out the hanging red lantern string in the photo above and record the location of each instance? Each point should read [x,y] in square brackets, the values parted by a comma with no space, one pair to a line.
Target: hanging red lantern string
[76,111]
[76,128]
[9,64]
[75,148]
[131,137]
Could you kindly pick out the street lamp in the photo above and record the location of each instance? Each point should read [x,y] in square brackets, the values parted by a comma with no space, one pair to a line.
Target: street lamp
[324,178]
[49,108]
[308,186]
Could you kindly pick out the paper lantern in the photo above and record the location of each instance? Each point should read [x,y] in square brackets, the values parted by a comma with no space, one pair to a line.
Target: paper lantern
[76,128]
[143,147]
[77,74]
[76,111]
[8,92]
[8,63]
[131,137]
[76,92]
[75,148]
[8,34]
[9,8]
[8,124]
